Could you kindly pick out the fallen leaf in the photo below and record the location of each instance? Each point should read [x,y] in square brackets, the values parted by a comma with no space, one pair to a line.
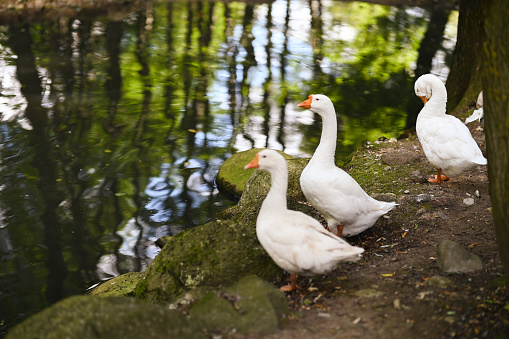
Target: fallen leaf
[319,296]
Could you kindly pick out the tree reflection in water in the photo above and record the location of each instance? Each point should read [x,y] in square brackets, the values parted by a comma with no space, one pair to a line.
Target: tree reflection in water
[113,128]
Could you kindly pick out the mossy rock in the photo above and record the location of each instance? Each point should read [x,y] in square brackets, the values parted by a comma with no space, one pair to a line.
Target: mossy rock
[215,314]
[122,286]
[223,250]
[258,186]
[214,254]
[84,317]
[260,181]
[262,305]
[250,306]
[232,177]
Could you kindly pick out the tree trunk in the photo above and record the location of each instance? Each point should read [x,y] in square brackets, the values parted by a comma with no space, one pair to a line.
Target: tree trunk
[467,54]
[495,79]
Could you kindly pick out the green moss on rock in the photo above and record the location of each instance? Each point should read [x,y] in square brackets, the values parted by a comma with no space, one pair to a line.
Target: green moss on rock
[84,317]
[232,177]
[214,313]
[122,286]
[224,249]
[214,254]
[252,305]
[387,168]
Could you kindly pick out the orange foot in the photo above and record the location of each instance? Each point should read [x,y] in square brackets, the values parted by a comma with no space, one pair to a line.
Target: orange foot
[289,288]
[292,286]
[435,180]
[439,178]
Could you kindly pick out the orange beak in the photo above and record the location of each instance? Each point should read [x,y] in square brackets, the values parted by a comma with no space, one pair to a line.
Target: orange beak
[253,163]
[424,99]
[306,104]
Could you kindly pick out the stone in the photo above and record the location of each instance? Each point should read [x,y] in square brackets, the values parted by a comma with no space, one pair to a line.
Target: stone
[439,281]
[387,197]
[122,286]
[262,304]
[422,198]
[232,177]
[261,180]
[452,258]
[468,201]
[84,317]
[250,306]
[214,313]
[417,176]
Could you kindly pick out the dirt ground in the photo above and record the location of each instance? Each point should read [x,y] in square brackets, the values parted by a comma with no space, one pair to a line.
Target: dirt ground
[386,294]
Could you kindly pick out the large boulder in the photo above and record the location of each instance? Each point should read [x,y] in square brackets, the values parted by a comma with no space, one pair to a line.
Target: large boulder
[214,254]
[221,251]
[232,178]
[122,286]
[84,317]
[252,305]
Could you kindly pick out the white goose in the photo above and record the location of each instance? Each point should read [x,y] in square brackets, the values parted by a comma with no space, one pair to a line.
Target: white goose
[445,140]
[346,207]
[295,241]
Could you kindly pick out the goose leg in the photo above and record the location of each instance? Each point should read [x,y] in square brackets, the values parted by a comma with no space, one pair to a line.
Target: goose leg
[340,230]
[439,178]
[292,286]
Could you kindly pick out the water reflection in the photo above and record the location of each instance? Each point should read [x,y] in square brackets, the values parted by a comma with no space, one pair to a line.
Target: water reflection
[113,129]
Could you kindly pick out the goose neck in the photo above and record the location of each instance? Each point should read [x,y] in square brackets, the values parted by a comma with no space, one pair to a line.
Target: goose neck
[437,103]
[325,152]
[276,198]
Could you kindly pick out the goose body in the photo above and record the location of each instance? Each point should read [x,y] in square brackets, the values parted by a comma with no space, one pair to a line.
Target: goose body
[445,140]
[295,241]
[346,207]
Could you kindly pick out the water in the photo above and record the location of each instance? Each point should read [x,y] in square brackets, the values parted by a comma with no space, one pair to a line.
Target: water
[113,126]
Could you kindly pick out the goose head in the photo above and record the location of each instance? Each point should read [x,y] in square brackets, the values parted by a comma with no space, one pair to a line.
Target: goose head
[268,160]
[428,85]
[319,104]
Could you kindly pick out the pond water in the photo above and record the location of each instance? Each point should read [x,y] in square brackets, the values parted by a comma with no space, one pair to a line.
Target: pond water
[113,126]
